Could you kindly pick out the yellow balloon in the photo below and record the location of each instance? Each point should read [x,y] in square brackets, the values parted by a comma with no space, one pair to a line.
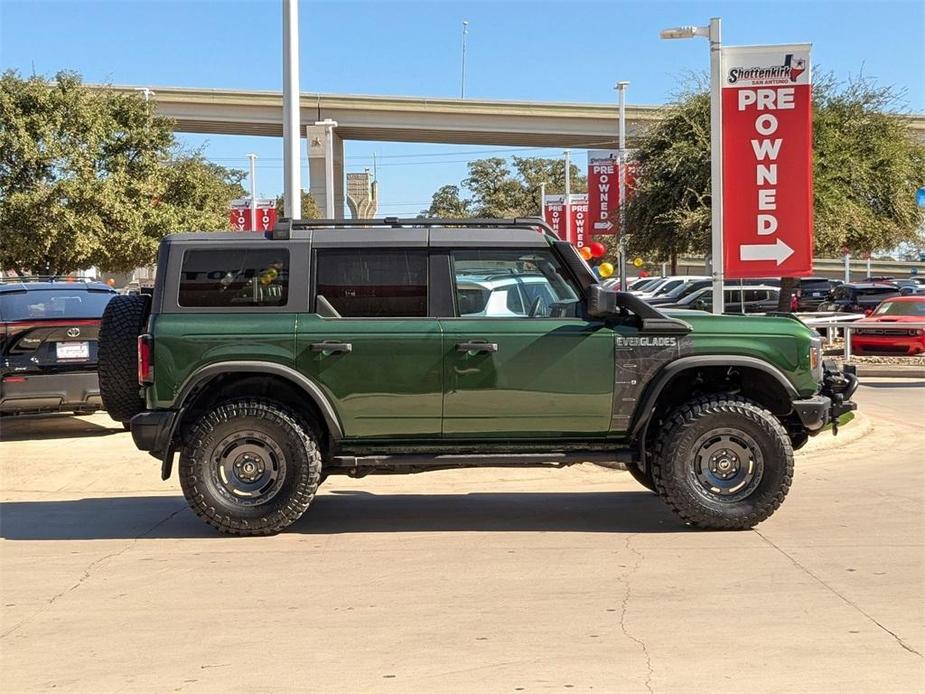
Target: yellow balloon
[638,262]
[585,252]
[606,269]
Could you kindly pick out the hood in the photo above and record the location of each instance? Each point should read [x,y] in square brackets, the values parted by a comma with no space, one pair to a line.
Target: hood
[709,323]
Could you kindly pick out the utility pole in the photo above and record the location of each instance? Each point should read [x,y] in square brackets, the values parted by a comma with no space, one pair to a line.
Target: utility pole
[253,180]
[292,184]
[621,245]
[568,196]
[462,81]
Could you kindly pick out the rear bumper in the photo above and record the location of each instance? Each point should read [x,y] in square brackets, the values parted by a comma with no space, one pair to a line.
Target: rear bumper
[833,401]
[78,390]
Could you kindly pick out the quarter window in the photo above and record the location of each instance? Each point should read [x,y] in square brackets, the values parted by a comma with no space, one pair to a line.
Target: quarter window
[384,284]
[497,284]
[234,278]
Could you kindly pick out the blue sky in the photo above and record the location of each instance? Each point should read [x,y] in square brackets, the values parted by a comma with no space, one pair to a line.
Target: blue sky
[566,51]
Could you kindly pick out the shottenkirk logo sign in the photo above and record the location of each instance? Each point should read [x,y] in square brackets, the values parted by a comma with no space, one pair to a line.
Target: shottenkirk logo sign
[767,161]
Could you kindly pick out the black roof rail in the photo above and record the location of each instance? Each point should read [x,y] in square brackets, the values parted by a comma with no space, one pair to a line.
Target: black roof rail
[284,226]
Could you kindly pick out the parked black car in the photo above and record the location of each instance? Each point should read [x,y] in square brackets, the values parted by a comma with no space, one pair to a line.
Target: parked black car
[858,297]
[813,291]
[48,345]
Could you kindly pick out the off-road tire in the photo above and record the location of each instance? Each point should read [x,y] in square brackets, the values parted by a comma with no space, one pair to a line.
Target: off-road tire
[675,464]
[117,357]
[299,477]
[644,478]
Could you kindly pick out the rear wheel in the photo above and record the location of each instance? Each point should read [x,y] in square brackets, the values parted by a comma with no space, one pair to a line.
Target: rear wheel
[122,322]
[723,462]
[250,467]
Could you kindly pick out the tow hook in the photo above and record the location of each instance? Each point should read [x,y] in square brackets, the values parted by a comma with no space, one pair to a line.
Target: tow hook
[839,385]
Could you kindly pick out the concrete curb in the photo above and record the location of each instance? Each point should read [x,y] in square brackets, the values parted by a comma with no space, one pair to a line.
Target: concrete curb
[825,441]
[889,371]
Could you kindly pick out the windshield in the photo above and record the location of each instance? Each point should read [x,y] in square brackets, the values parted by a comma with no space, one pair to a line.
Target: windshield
[901,308]
[38,304]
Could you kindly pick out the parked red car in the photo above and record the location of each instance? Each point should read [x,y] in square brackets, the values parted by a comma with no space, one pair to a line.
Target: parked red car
[882,332]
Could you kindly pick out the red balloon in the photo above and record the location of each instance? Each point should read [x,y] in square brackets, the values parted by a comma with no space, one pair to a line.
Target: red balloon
[597,249]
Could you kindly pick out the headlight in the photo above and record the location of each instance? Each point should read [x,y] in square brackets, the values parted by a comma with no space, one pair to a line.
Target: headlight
[815,357]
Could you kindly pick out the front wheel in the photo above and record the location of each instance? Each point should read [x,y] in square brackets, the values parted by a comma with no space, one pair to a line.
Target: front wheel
[723,462]
[250,467]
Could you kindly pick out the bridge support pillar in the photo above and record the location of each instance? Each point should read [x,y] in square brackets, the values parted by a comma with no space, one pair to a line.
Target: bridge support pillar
[315,136]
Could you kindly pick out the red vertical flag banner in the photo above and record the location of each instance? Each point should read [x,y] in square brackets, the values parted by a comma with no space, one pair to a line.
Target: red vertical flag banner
[579,210]
[604,191]
[555,214]
[240,215]
[767,161]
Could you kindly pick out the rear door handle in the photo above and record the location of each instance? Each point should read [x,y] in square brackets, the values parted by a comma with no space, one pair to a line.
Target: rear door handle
[331,347]
[476,346]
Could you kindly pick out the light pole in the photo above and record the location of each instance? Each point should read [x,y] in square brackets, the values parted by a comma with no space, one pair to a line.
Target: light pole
[292,185]
[543,200]
[713,32]
[462,80]
[621,246]
[567,208]
[253,180]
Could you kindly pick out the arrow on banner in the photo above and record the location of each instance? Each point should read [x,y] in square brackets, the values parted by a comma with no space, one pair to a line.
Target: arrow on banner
[603,225]
[778,252]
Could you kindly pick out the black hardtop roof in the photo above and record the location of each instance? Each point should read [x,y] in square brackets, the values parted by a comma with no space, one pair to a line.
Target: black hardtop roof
[391,232]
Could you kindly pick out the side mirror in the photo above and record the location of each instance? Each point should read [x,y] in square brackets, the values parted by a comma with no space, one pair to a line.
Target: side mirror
[601,302]
[607,304]
[700,305]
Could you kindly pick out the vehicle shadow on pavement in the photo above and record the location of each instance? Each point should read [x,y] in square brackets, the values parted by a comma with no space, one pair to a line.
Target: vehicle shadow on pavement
[53,426]
[167,517]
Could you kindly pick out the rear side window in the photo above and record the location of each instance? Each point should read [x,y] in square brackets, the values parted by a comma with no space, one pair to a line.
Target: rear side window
[380,284]
[243,277]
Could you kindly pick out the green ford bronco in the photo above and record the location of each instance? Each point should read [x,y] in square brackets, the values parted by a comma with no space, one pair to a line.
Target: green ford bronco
[269,362]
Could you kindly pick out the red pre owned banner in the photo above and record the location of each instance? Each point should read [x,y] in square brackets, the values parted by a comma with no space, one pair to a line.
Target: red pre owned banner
[604,191]
[577,231]
[767,161]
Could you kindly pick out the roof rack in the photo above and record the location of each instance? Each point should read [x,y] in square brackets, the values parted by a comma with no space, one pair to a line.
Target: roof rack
[284,226]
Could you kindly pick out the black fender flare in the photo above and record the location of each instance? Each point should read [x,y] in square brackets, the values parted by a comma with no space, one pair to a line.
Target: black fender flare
[204,374]
[644,410]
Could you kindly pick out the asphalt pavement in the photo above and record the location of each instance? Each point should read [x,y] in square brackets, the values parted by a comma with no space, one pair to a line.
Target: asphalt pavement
[461,581]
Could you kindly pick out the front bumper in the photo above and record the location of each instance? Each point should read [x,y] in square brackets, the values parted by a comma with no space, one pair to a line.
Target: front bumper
[54,392]
[833,400]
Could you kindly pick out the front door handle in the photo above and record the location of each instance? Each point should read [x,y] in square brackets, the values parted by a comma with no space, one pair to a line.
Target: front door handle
[331,347]
[476,346]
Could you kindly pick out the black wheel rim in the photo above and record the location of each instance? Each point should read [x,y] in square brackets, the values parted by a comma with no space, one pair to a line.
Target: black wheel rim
[727,465]
[248,468]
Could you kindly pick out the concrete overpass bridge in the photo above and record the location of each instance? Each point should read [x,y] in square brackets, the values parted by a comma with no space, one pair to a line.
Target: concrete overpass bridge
[405,119]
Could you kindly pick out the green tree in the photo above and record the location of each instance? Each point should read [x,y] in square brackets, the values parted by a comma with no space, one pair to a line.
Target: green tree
[866,167]
[94,177]
[310,209]
[447,204]
[497,191]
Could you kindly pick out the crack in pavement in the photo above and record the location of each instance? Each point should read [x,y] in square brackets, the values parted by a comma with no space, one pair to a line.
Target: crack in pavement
[88,570]
[846,600]
[623,608]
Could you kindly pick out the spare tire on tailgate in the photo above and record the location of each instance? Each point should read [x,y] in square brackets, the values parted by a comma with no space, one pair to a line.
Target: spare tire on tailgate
[117,357]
